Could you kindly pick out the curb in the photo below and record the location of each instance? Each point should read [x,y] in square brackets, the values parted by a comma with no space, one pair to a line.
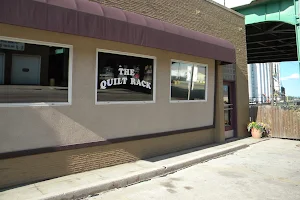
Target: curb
[102,186]
[143,175]
[195,160]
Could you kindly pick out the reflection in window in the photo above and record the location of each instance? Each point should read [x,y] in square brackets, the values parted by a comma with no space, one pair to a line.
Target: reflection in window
[31,73]
[226,94]
[227,117]
[124,78]
[188,81]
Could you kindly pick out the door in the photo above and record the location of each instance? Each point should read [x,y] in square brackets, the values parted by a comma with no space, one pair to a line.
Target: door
[25,70]
[2,63]
[229,109]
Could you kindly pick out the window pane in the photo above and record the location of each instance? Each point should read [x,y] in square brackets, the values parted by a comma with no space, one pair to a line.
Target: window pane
[199,83]
[124,78]
[180,80]
[227,117]
[226,95]
[31,73]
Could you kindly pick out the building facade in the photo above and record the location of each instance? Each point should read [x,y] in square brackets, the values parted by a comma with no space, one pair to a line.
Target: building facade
[86,85]
[259,80]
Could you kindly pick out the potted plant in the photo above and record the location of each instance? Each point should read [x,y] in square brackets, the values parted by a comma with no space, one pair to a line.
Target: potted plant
[258,129]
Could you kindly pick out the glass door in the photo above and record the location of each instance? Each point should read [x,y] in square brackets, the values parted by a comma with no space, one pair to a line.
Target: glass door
[228,91]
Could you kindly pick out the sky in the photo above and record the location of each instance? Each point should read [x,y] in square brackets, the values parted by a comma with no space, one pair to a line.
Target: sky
[233,3]
[289,75]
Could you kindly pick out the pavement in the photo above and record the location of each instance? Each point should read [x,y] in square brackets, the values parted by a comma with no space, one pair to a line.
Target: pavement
[86,184]
[269,170]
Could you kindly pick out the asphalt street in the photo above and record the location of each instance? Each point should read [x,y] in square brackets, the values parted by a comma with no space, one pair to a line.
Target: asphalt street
[266,170]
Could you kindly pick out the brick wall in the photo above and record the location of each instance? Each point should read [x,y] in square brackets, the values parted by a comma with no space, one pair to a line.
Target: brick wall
[199,15]
[39,167]
[207,17]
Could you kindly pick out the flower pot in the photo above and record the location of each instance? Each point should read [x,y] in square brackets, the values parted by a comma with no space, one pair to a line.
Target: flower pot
[256,133]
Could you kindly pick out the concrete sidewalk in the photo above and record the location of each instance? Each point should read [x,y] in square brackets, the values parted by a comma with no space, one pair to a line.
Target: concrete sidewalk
[84,184]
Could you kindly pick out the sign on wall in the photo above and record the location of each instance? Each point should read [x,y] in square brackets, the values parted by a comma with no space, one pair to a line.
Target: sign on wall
[12,45]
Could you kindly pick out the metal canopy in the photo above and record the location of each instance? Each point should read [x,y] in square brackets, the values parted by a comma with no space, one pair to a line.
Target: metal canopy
[272,30]
[271,42]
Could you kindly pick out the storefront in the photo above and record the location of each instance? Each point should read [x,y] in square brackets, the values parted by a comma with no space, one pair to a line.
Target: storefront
[229,96]
[85,86]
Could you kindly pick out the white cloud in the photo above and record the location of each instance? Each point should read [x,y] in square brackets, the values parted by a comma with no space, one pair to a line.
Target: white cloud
[233,3]
[293,76]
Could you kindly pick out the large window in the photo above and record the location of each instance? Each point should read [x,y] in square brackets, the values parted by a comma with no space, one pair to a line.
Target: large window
[33,73]
[188,81]
[124,78]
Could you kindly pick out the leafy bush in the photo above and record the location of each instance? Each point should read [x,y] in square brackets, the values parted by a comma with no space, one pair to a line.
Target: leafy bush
[264,128]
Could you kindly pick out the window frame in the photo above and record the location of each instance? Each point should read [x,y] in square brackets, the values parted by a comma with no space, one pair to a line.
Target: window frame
[206,82]
[70,72]
[125,54]
[3,71]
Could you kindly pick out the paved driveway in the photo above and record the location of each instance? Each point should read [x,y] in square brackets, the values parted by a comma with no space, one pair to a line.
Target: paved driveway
[266,170]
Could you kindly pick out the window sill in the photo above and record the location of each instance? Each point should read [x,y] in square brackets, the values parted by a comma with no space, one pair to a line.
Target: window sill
[188,101]
[123,102]
[3,105]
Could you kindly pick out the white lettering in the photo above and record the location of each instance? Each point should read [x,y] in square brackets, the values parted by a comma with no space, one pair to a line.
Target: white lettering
[124,79]
[103,85]
[131,72]
[126,71]
[132,81]
[148,85]
[115,81]
[121,71]
[119,81]
[144,83]
[109,82]
[138,82]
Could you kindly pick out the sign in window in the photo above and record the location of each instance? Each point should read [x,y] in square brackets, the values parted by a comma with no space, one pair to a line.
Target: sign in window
[124,78]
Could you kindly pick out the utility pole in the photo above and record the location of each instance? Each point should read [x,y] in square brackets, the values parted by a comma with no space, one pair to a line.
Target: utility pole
[224,2]
[272,84]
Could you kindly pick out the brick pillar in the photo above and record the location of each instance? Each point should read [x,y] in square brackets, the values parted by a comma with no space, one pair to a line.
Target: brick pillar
[242,100]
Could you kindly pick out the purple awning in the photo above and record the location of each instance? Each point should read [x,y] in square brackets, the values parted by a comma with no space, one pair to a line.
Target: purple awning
[91,19]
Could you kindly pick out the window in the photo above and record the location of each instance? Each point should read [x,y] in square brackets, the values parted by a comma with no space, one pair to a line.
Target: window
[188,81]
[124,78]
[31,72]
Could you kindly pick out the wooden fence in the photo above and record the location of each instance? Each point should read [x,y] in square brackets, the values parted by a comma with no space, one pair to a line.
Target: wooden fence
[284,122]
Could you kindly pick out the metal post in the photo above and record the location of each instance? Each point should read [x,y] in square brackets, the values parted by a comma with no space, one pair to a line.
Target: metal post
[298,29]
[272,84]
